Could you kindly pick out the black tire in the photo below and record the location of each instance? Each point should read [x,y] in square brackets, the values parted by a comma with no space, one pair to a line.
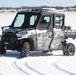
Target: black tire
[25,49]
[69,49]
[65,50]
[2,49]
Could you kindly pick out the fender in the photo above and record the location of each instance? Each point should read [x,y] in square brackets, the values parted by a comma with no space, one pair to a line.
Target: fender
[30,40]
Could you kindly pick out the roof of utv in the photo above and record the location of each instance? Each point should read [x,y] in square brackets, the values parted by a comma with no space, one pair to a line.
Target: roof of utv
[42,10]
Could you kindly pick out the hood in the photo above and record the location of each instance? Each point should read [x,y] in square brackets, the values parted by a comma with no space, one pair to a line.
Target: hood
[16,30]
[12,30]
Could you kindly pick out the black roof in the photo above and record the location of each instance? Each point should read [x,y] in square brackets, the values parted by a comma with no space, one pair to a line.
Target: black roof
[44,10]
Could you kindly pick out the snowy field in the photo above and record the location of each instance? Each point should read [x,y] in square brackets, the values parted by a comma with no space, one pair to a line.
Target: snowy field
[38,63]
[6,19]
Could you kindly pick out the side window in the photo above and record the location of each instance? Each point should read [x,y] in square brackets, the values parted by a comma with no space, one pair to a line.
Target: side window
[58,21]
[44,22]
[33,18]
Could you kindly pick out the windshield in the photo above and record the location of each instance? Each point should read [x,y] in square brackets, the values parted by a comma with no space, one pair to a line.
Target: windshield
[25,20]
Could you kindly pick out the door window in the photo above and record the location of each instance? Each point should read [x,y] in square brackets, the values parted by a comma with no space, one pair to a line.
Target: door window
[44,22]
[58,21]
[33,18]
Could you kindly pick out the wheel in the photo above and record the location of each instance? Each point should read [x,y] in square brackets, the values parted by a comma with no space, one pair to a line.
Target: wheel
[25,49]
[2,49]
[69,49]
[65,50]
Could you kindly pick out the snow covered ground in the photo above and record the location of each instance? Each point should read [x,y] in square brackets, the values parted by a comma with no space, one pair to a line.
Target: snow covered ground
[38,63]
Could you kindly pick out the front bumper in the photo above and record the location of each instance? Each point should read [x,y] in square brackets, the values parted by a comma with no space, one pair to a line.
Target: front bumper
[10,40]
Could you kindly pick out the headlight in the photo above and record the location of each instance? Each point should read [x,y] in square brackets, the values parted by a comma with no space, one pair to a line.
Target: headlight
[18,35]
[21,34]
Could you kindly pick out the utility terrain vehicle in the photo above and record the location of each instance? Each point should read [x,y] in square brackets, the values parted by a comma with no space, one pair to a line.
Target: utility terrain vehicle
[37,30]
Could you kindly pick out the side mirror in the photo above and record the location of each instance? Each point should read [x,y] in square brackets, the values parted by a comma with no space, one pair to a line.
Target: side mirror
[5,27]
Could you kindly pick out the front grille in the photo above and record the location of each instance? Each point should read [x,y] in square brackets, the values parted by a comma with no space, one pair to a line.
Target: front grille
[10,40]
[9,37]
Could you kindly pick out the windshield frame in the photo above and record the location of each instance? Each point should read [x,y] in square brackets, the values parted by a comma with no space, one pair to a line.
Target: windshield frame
[31,13]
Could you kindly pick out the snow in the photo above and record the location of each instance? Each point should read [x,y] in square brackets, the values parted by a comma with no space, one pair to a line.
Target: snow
[38,63]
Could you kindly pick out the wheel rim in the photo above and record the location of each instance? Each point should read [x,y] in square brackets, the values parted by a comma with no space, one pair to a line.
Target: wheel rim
[71,49]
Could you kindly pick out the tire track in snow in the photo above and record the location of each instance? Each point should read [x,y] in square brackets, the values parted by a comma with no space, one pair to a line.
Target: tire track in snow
[6,67]
[43,73]
[19,69]
[26,64]
[64,65]
[26,69]
[63,70]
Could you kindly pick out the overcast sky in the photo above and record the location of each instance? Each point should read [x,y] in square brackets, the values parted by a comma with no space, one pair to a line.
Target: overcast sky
[18,3]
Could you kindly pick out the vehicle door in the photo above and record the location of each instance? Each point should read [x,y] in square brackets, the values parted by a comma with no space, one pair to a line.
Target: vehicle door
[58,32]
[43,34]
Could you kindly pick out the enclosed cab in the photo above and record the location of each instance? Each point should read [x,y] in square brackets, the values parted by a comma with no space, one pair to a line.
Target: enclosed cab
[36,30]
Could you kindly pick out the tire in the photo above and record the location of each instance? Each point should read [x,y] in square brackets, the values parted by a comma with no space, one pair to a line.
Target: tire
[25,49]
[2,49]
[69,49]
[65,50]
